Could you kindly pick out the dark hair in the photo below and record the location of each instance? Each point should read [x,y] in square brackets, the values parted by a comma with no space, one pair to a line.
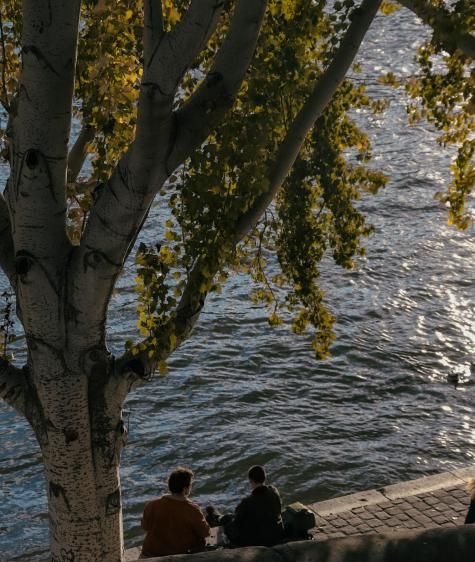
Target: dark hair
[257,474]
[179,479]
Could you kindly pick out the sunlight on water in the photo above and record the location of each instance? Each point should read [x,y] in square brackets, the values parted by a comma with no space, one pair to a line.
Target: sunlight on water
[380,411]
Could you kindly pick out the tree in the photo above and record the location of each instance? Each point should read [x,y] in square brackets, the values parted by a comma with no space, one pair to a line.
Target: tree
[234,116]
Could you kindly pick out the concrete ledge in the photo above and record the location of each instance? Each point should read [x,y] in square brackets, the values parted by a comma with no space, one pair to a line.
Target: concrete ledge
[456,544]
[451,479]
[346,503]
[464,473]
[422,485]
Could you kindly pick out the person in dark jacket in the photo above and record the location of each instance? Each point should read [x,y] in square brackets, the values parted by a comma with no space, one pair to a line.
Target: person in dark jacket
[257,519]
[470,518]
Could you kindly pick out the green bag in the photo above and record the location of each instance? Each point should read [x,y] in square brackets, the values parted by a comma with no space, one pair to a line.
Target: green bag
[298,519]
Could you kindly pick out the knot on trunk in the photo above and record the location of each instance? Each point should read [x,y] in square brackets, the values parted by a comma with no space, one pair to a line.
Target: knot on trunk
[70,435]
[113,502]
[57,491]
[32,159]
[136,367]
[23,264]
[96,361]
[93,259]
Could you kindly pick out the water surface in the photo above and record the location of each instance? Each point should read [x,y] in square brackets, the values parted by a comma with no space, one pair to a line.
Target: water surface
[380,411]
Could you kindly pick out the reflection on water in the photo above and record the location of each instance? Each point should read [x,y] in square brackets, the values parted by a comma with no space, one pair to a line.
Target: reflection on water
[378,412]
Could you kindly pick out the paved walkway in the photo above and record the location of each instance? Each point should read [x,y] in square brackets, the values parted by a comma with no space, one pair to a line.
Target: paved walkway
[433,501]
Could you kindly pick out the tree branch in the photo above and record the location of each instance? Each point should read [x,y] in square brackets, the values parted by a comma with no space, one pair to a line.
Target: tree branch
[446,27]
[213,98]
[49,43]
[169,55]
[230,65]
[39,148]
[139,367]
[78,152]
[7,254]
[153,26]
[13,386]
[40,128]
[322,94]
[122,204]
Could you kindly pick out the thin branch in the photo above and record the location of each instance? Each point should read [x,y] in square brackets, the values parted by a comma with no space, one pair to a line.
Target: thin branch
[7,254]
[78,152]
[13,386]
[206,107]
[310,112]
[445,25]
[137,369]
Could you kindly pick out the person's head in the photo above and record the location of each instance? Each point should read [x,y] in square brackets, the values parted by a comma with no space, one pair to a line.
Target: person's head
[179,481]
[257,476]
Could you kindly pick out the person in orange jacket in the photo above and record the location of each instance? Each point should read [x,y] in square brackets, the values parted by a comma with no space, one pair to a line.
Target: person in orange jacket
[173,523]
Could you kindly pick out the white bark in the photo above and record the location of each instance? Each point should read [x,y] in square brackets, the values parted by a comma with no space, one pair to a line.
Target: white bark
[40,131]
[169,55]
[81,435]
[49,40]
[63,391]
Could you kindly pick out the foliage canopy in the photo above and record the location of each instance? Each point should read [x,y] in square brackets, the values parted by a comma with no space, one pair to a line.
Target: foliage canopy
[314,213]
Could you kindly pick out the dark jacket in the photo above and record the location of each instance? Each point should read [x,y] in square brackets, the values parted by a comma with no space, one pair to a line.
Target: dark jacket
[257,519]
[470,518]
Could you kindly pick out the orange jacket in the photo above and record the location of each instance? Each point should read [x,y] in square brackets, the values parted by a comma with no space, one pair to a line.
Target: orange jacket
[173,527]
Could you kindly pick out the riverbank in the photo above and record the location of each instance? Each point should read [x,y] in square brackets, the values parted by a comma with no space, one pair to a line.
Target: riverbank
[440,500]
[418,505]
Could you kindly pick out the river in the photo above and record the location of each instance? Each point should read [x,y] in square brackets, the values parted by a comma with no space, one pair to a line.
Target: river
[239,393]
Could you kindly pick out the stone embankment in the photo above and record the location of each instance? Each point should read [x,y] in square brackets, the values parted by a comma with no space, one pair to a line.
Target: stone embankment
[416,521]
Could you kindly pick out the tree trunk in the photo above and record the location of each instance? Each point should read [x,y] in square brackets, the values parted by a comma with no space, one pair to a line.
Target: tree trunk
[81,434]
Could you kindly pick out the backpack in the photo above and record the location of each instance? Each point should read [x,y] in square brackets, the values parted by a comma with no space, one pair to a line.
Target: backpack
[298,520]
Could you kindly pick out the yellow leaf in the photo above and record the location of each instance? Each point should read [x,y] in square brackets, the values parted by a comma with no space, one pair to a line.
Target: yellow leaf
[162,368]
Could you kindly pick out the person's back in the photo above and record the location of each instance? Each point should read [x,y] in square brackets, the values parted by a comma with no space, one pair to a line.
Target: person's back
[470,517]
[174,524]
[257,520]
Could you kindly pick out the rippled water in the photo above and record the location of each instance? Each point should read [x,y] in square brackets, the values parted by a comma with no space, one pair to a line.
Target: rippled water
[239,393]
